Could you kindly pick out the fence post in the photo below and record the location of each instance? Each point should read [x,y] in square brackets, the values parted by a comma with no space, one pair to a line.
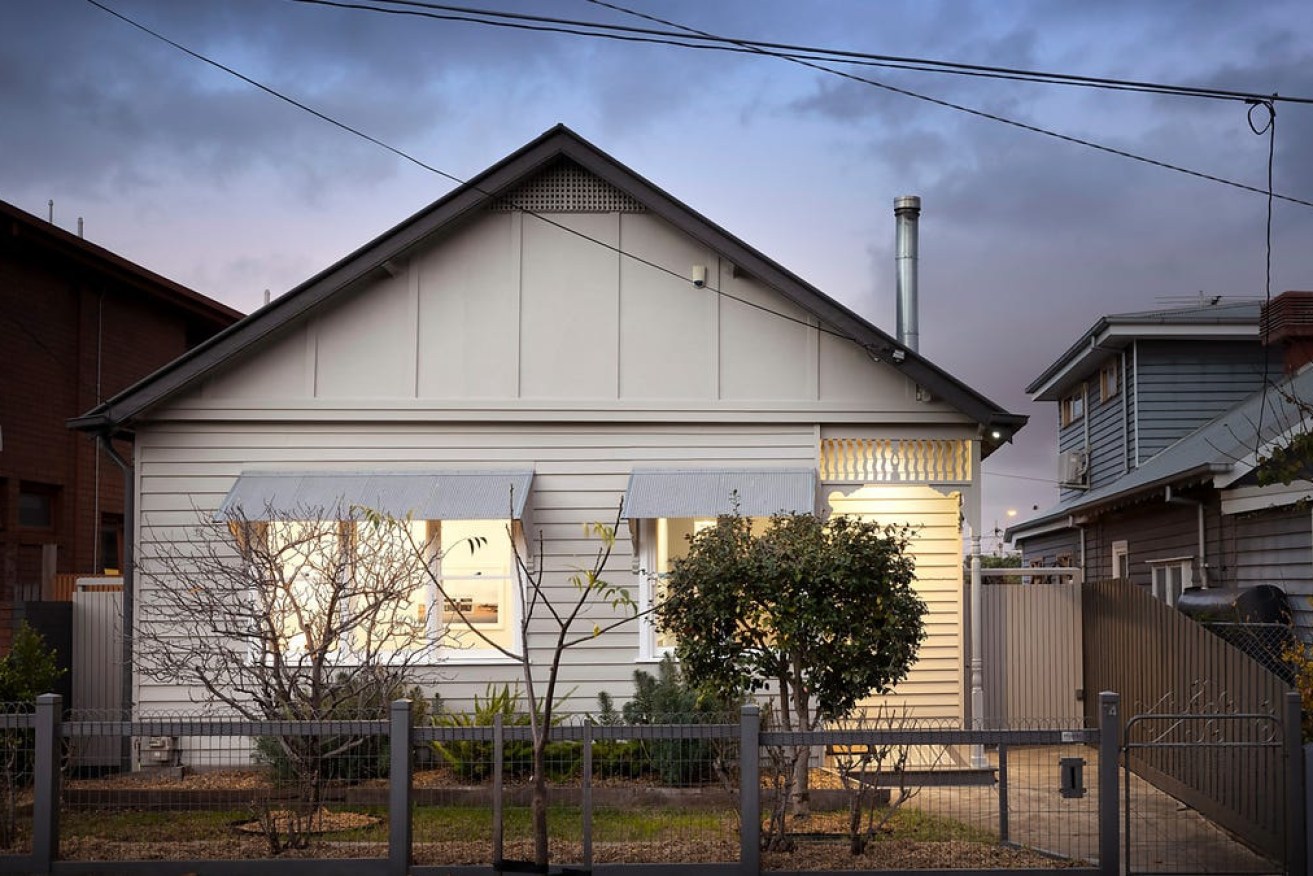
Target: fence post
[45,803]
[750,790]
[1296,799]
[498,808]
[1109,814]
[586,794]
[399,794]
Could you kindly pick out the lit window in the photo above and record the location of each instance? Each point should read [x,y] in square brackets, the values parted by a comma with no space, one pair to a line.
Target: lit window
[663,541]
[477,570]
[329,576]
[1108,383]
[1073,406]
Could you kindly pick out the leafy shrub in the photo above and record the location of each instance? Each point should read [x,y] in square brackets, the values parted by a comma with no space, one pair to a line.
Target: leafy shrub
[667,698]
[27,671]
[1299,657]
[472,760]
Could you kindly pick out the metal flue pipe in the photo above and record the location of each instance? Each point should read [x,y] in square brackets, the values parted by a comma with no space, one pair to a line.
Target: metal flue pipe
[907,215]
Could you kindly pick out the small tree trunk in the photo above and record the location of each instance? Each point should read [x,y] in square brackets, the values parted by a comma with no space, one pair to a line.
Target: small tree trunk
[801,782]
[540,850]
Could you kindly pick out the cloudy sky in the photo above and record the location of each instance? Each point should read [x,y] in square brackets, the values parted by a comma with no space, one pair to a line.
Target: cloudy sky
[1025,239]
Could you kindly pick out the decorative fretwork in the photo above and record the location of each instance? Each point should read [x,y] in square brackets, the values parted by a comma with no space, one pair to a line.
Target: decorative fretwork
[565,187]
[895,460]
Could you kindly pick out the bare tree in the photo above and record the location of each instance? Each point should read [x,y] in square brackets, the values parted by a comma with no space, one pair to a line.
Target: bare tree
[556,614]
[263,615]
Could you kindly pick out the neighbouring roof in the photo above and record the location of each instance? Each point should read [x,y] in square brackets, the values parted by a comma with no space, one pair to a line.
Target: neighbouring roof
[1221,451]
[1222,320]
[16,224]
[120,411]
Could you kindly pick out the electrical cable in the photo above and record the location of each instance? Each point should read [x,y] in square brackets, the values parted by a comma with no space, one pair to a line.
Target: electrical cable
[741,45]
[1271,130]
[972,111]
[456,179]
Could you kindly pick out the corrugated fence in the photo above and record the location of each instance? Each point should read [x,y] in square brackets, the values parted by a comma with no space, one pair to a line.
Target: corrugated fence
[1202,720]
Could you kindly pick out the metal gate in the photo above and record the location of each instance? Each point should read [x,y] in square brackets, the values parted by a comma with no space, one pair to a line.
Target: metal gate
[1212,792]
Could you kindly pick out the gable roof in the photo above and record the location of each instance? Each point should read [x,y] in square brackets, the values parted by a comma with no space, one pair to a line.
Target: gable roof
[559,142]
[1229,320]
[1221,451]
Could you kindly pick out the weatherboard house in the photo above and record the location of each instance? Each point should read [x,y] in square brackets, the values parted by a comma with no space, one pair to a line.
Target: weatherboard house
[562,326]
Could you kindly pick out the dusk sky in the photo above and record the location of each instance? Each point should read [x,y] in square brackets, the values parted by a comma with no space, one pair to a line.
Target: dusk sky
[1025,239]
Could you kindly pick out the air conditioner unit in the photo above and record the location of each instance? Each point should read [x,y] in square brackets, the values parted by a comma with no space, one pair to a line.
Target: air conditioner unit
[1074,469]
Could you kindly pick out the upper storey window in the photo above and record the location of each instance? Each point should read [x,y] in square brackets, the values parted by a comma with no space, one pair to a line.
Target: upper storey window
[1108,380]
[1073,406]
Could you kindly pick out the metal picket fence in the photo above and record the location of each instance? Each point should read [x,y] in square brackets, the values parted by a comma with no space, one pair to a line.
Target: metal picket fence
[692,797]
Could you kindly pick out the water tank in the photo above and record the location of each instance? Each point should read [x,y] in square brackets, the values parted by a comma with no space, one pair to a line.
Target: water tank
[1264,604]
[1255,619]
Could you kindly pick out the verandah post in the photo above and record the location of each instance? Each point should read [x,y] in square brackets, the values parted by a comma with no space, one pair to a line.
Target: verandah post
[750,790]
[399,793]
[1109,811]
[45,802]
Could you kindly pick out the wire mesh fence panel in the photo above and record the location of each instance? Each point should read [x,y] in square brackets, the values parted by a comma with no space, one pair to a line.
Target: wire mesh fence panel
[888,791]
[666,790]
[17,760]
[203,787]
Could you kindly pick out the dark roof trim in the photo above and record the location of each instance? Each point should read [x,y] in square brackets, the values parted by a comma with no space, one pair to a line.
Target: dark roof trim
[1112,500]
[1116,330]
[22,224]
[557,142]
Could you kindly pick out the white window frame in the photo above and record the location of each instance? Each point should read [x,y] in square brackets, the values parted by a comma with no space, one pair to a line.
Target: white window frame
[1161,574]
[647,591]
[509,615]
[1121,563]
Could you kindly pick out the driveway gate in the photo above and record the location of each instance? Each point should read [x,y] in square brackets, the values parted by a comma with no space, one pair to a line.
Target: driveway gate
[1226,773]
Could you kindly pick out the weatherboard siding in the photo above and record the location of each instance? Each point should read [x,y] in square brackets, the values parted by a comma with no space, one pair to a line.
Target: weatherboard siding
[581,471]
[1183,385]
[1274,547]
[1107,431]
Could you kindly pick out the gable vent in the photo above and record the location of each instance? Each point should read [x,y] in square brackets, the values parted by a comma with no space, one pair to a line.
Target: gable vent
[565,187]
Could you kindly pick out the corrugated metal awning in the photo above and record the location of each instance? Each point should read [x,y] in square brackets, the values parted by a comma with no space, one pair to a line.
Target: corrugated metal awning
[426,495]
[707,492]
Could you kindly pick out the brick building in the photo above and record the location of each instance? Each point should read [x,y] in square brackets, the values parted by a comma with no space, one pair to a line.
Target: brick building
[77,325]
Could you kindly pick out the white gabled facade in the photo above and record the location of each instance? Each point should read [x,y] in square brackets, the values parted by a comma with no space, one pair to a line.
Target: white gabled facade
[564,336]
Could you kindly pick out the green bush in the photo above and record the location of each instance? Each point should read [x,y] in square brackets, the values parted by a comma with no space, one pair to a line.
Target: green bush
[29,669]
[471,760]
[667,698]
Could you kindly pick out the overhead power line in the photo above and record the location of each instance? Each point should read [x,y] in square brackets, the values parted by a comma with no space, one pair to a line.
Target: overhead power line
[273,92]
[522,21]
[692,38]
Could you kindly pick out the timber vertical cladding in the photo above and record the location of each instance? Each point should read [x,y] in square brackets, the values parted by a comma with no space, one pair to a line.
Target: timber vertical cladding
[1162,662]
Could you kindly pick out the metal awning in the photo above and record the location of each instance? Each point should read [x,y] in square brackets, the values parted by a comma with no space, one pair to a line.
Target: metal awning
[425,495]
[707,492]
